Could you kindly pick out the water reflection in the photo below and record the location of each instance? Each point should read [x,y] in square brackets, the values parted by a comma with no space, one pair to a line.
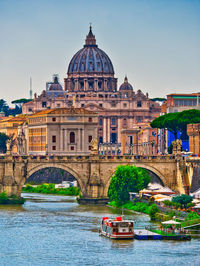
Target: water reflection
[55,230]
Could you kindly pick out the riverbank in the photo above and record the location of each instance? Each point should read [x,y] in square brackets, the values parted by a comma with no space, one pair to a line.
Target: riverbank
[155,213]
[50,189]
[10,200]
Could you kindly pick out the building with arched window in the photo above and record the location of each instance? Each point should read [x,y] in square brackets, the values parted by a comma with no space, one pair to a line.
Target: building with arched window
[61,131]
[91,84]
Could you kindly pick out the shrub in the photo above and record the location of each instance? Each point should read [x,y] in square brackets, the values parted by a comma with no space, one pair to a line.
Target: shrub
[127,179]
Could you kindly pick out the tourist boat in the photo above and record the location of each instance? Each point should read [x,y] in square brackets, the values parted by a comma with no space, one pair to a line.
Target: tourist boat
[117,228]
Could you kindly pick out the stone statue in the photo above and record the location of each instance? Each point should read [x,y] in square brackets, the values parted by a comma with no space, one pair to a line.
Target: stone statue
[94,143]
[8,146]
[179,145]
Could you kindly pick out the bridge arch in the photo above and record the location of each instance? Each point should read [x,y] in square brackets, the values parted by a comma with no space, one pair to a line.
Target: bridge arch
[144,166]
[64,167]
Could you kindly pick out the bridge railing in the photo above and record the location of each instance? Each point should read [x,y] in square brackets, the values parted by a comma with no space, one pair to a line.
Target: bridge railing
[86,157]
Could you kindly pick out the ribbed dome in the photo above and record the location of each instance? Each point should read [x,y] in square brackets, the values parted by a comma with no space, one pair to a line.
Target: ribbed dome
[90,59]
[126,85]
[55,86]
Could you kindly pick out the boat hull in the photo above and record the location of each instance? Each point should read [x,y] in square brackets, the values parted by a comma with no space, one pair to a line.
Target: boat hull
[117,236]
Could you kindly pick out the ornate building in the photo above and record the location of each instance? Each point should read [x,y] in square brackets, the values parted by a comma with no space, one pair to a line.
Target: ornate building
[91,84]
[60,131]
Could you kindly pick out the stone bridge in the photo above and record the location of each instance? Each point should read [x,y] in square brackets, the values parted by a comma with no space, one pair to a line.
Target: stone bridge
[93,172]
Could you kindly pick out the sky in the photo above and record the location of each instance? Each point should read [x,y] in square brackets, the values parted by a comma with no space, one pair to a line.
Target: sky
[156,43]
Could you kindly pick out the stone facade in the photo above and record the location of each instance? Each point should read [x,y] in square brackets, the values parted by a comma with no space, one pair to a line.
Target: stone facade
[63,131]
[91,84]
[93,172]
[193,131]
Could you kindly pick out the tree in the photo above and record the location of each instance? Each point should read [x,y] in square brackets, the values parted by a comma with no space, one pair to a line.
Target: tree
[158,99]
[127,179]
[177,122]
[182,199]
[4,107]
[3,138]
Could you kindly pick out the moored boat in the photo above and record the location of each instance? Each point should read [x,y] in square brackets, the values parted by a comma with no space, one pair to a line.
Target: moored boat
[117,228]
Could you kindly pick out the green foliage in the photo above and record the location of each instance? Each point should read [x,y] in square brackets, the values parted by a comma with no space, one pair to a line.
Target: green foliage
[167,203]
[158,99]
[4,199]
[143,207]
[189,205]
[192,216]
[50,189]
[175,122]
[9,111]
[127,179]
[152,212]
[21,101]
[182,199]
[3,139]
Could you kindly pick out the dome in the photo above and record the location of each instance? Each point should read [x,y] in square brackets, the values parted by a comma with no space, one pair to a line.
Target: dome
[55,86]
[126,85]
[90,59]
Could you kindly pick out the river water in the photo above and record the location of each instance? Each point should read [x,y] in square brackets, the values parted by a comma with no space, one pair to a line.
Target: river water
[55,230]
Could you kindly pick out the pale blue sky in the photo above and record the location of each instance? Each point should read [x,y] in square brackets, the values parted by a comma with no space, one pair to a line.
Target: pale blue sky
[155,42]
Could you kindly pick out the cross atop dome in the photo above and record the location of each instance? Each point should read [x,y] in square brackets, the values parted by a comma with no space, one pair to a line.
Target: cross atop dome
[90,38]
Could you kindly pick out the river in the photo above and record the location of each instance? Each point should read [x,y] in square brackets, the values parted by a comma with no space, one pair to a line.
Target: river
[55,230]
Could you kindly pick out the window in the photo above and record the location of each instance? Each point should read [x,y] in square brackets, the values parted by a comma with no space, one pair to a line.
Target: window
[113,104]
[72,148]
[82,85]
[30,109]
[53,138]
[82,105]
[99,85]
[90,119]
[139,104]
[113,121]
[53,148]
[125,105]
[100,105]
[44,104]
[90,85]
[124,122]
[89,139]
[89,148]
[100,139]
[100,121]
[72,137]
[53,119]
[70,103]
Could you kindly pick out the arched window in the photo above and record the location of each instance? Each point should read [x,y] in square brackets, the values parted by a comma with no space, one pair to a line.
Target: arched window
[72,137]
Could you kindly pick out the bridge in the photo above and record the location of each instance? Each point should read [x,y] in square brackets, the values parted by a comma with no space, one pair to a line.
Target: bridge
[93,172]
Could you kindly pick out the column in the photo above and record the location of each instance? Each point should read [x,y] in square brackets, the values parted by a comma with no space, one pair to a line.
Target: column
[108,129]
[66,140]
[61,139]
[105,85]
[104,129]
[79,140]
[119,130]
[76,84]
[96,84]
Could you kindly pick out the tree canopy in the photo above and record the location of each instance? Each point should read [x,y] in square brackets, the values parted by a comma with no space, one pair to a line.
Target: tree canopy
[182,199]
[9,111]
[158,99]
[177,122]
[3,138]
[20,101]
[127,179]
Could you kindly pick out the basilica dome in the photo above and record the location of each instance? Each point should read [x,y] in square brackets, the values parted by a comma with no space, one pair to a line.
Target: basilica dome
[90,59]
[126,85]
[55,86]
